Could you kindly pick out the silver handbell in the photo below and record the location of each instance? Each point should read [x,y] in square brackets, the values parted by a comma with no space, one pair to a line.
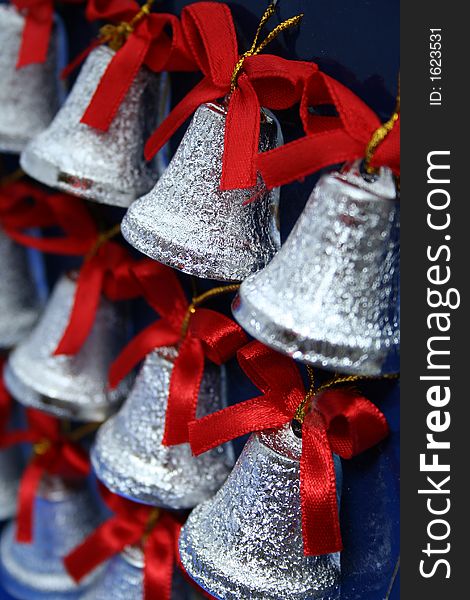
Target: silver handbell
[122,579]
[188,223]
[128,454]
[63,516]
[107,167]
[246,542]
[19,307]
[29,97]
[10,472]
[71,387]
[330,296]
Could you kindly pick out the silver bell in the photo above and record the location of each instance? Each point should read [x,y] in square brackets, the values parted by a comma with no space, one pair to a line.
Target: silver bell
[29,96]
[122,579]
[128,454]
[108,167]
[19,307]
[63,516]
[330,296]
[73,387]
[246,542]
[188,223]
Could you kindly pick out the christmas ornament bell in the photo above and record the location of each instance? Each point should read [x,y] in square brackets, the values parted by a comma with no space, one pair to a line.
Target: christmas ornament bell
[108,167]
[29,96]
[10,472]
[122,579]
[73,387]
[129,457]
[63,516]
[246,541]
[330,296]
[188,223]
[18,300]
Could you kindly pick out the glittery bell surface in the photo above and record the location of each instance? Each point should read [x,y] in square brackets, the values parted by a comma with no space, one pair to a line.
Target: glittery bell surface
[19,307]
[122,579]
[108,167]
[246,542]
[63,517]
[129,457]
[10,471]
[188,223]
[330,296]
[29,96]
[72,387]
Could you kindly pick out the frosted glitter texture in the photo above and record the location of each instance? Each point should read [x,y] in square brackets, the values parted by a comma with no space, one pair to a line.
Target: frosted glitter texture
[63,517]
[188,223]
[29,97]
[129,457]
[330,296]
[18,300]
[108,167]
[246,542]
[72,387]
[123,578]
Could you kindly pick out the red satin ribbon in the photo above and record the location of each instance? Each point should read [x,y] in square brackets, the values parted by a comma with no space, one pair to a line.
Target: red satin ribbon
[148,44]
[37,29]
[340,422]
[329,140]
[62,457]
[265,80]
[129,526]
[210,335]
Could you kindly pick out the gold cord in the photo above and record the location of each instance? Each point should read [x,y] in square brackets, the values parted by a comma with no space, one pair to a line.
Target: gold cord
[152,521]
[224,289]
[116,35]
[380,134]
[102,238]
[302,408]
[269,12]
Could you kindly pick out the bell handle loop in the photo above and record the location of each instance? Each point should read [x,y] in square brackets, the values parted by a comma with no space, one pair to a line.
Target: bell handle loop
[255,48]
[197,300]
[116,35]
[379,135]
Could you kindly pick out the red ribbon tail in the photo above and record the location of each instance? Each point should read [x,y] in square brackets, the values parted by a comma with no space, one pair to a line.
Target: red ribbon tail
[183,395]
[116,82]
[85,305]
[320,519]
[35,38]
[27,494]
[160,560]
[241,138]
[203,92]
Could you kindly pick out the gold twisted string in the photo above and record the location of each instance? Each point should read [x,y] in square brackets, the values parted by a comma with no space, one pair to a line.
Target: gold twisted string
[152,521]
[255,48]
[380,134]
[116,35]
[102,238]
[334,382]
[196,301]
[43,446]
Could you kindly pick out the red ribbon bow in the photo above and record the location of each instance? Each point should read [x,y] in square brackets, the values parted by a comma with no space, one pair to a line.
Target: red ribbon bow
[209,335]
[132,524]
[55,454]
[329,140]
[265,80]
[149,43]
[340,422]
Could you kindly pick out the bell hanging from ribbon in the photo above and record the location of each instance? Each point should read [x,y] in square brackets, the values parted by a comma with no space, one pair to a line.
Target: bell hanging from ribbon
[19,307]
[246,541]
[122,579]
[330,296]
[71,387]
[63,516]
[105,166]
[29,96]
[128,455]
[10,472]
[188,223]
